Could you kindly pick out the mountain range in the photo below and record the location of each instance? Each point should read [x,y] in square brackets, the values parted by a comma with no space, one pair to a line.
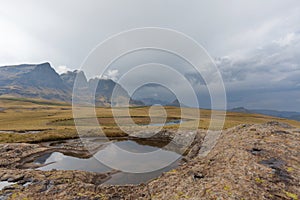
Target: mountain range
[42,81]
[274,113]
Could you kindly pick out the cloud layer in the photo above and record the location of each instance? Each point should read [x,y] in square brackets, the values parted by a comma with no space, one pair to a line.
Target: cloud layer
[254,43]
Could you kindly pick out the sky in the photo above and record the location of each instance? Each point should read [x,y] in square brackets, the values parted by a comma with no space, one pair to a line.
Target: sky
[255,44]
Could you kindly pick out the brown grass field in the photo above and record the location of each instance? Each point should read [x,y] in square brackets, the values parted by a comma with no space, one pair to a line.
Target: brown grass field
[54,120]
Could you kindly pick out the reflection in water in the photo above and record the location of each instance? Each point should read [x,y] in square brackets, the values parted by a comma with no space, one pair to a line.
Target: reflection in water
[123,178]
[57,160]
[118,153]
[173,122]
[130,156]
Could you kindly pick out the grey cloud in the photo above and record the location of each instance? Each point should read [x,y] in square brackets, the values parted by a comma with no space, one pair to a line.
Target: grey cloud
[256,56]
[270,74]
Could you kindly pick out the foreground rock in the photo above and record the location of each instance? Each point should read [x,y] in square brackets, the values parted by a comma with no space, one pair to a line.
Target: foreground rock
[247,162]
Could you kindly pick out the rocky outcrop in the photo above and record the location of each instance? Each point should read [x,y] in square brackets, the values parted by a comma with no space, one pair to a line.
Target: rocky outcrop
[247,162]
[70,77]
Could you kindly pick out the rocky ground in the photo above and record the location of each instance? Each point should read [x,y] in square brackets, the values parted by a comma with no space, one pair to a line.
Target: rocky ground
[247,162]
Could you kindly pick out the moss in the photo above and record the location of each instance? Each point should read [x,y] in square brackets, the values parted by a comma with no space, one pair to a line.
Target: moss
[227,188]
[101,196]
[79,194]
[181,195]
[259,180]
[291,195]
[172,171]
[290,169]
[14,195]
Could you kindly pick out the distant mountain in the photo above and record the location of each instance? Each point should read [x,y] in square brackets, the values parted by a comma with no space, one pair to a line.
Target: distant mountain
[282,114]
[274,113]
[42,81]
[33,81]
[240,110]
[175,103]
[152,101]
[104,90]
[69,79]
[152,93]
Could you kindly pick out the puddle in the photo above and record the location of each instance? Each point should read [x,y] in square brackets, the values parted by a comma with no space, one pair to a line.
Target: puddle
[22,132]
[173,122]
[57,160]
[123,178]
[29,132]
[27,184]
[7,131]
[116,153]
[3,184]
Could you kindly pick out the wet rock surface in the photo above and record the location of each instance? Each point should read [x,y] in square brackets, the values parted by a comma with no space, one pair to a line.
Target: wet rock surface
[247,162]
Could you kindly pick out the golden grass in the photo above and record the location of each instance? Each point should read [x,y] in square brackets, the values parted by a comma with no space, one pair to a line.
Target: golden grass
[56,119]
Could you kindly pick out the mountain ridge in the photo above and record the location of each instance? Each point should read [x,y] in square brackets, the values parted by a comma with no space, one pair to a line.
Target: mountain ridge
[42,81]
[275,113]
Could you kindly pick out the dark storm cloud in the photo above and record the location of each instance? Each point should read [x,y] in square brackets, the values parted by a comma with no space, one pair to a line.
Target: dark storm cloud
[256,42]
[269,78]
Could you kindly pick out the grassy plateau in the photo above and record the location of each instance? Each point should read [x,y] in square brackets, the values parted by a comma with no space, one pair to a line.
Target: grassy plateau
[33,120]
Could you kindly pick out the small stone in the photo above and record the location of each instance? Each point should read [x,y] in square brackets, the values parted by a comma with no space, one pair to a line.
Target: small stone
[198,176]
[280,132]
[256,151]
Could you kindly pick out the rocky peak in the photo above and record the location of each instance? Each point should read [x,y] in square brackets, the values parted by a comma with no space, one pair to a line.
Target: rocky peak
[70,77]
[42,75]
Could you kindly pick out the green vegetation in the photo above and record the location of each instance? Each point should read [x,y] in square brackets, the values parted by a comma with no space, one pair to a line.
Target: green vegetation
[35,101]
[291,195]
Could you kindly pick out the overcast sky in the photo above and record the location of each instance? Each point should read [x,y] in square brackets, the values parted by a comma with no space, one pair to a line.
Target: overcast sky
[256,44]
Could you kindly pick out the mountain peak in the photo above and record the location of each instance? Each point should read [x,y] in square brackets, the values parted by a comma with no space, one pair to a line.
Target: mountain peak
[240,109]
[45,64]
[45,67]
[42,81]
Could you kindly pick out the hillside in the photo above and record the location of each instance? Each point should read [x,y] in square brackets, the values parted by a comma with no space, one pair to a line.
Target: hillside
[41,81]
[33,81]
